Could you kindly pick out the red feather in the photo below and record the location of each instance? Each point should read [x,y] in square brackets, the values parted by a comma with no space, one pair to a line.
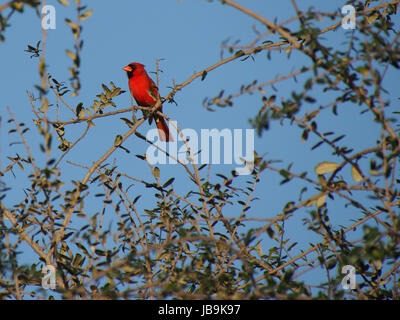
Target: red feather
[144,90]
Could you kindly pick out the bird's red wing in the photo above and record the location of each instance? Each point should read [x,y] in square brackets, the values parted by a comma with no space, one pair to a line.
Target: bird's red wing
[154,90]
[143,90]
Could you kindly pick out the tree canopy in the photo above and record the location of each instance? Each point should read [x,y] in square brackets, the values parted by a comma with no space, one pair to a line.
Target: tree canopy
[200,233]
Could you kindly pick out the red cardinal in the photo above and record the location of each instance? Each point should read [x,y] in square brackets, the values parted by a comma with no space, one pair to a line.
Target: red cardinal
[140,84]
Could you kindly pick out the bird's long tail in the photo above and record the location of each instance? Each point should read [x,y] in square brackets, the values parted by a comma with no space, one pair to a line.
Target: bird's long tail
[163,130]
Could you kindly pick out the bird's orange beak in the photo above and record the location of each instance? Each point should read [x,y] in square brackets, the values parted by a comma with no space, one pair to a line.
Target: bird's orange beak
[127,69]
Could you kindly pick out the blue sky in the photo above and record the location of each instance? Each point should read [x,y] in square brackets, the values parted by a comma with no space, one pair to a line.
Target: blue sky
[188,36]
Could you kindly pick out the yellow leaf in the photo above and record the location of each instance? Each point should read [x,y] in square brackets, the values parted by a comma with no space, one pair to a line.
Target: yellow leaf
[86,14]
[18,6]
[310,203]
[325,167]
[20,165]
[364,71]
[128,268]
[73,25]
[320,201]
[376,173]
[372,17]
[356,174]
[259,250]
[81,114]
[70,54]
[278,228]
[41,66]
[64,2]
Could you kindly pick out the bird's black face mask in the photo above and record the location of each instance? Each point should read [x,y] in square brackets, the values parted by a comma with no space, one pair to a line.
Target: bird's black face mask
[130,73]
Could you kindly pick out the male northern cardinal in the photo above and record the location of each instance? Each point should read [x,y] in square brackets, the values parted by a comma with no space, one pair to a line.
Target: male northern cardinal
[144,90]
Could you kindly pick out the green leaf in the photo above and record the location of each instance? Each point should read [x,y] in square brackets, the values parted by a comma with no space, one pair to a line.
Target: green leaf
[304,136]
[168,182]
[78,260]
[106,90]
[317,145]
[115,92]
[118,141]
[78,109]
[156,172]
[312,115]
[270,233]
[136,199]
[128,122]
[239,53]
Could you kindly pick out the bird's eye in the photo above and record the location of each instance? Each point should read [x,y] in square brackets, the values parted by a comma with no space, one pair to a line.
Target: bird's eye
[133,67]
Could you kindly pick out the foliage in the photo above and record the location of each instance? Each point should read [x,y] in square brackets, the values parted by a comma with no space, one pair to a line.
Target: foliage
[187,245]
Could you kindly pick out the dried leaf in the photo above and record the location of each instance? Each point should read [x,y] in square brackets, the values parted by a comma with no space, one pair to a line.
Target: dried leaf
[320,201]
[372,17]
[325,167]
[70,54]
[86,14]
[64,2]
[356,174]
[259,249]
[156,172]
[118,140]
